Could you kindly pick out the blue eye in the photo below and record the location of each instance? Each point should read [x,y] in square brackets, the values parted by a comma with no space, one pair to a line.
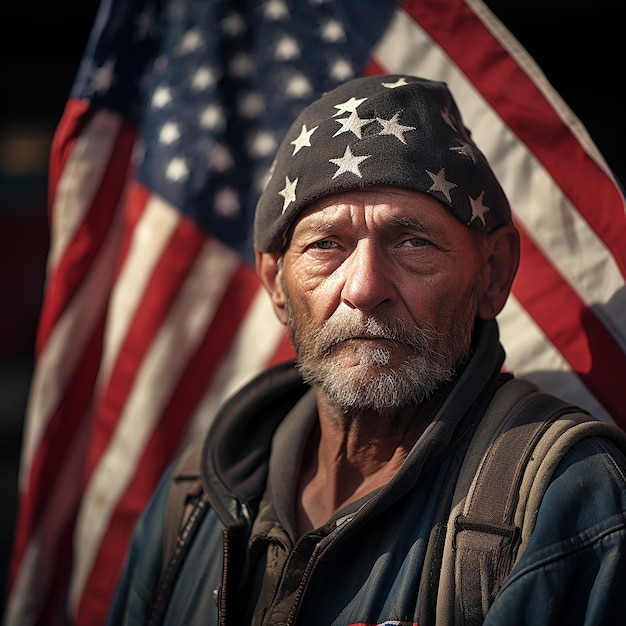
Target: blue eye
[325,244]
[416,242]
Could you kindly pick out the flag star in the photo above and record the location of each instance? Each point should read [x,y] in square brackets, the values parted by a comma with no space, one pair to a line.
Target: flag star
[299,87]
[251,105]
[399,83]
[192,40]
[349,106]
[287,49]
[212,117]
[161,97]
[169,133]
[341,70]
[478,209]
[275,10]
[226,202]
[467,150]
[234,25]
[288,193]
[263,144]
[333,31]
[348,163]
[102,78]
[393,127]
[303,140]
[203,78]
[220,158]
[440,183]
[353,124]
[242,65]
[177,170]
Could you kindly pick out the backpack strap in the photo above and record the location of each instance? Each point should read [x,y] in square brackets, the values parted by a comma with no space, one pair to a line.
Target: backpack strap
[508,466]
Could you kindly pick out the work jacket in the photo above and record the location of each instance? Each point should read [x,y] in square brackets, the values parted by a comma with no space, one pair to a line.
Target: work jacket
[366,565]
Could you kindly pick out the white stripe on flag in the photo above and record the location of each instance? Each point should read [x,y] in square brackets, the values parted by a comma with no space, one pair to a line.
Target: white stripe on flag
[179,336]
[531,355]
[59,357]
[80,180]
[260,329]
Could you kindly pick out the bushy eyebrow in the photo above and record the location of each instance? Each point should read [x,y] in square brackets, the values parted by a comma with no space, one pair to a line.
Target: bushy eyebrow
[407,222]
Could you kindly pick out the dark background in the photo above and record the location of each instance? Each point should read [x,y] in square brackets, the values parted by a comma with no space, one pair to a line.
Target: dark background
[579,44]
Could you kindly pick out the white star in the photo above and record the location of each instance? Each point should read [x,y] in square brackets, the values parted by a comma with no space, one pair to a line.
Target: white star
[353,124]
[440,183]
[341,70]
[348,163]
[263,144]
[303,140]
[399,83]
[234,25]
[161,97]
[287,49]
[212,117]
[349,106]
[275,10]
[169,133]
[177,170]
[192,40]
[102,78]
[288,193]
[220,158]
[242,65]
[393,127]
[333,31]
[226,202]
[251,105]
[299,87]
[467,150]
[203,77]
[478,209]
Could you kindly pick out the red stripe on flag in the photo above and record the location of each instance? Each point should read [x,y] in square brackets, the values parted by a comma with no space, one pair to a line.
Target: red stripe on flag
[78,258]
[451,23]
[560,313]
[165,440]
[165,283]
[60,435]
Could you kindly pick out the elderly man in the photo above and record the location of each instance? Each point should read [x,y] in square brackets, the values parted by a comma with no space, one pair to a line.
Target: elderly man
[325,489]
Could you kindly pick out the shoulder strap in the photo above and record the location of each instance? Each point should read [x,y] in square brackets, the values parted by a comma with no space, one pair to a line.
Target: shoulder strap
[506,471]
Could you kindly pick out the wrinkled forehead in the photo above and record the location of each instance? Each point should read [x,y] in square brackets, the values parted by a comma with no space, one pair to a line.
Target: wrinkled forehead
[379,209]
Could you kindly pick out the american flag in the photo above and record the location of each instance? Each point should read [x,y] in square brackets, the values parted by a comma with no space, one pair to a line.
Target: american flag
[152,312]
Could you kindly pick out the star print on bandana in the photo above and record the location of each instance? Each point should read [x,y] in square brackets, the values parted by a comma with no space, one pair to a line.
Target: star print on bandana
[304,139]
[349,106]
[353,123]
[348,163]
[440,183]
[392,127]
[399,131]
[288,193]
[478,208]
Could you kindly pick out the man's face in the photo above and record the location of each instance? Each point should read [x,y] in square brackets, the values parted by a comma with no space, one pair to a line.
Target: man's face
[381,290]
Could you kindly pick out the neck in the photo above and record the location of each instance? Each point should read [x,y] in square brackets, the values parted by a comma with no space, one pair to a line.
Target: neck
[352,455]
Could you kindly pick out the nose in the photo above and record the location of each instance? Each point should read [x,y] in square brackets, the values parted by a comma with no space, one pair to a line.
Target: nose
[368,282]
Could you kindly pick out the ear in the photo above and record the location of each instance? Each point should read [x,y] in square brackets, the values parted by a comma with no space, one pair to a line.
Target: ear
[268,272]
[501,252]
